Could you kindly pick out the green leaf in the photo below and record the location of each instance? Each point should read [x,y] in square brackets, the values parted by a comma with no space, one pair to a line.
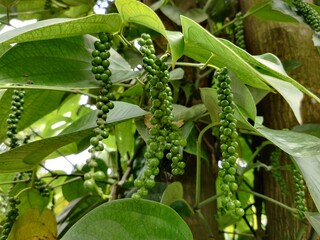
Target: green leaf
[155,6]
[243,97]
[181,112]
[190,133]
[294,143]
[58,64]
[8,3]
[124,133]
[176,74]
[6,177]
[173,192]
[130,219]
[275,10]
[203,47]
[61,28]
[309,128]
[265,66]
[30,198]
[176,45]
[309,166]
[122,111]
[136,12]
[182,207]
[314,220]
[210,99]
[73,189]
[291,94]
[25,157]
[173,13]
[34,109]
[75,210]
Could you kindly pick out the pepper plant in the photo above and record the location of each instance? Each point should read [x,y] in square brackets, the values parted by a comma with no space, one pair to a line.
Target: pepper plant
[160,107]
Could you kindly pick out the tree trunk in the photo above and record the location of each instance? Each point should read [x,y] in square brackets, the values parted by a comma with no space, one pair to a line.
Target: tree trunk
[289,42]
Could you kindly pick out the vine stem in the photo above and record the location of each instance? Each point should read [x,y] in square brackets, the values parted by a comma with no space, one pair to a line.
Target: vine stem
[198,171]
[76,91]
[293,210]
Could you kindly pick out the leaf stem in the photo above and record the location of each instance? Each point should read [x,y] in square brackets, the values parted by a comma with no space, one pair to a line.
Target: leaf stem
[293,210]
[13,182]
[244,16]
[256,10]
[198,65]
[66,182]
[8,15]
[33,177]
[23,190]
[210,199]
[223,27]
[198,171]
[257,151]
[76,91]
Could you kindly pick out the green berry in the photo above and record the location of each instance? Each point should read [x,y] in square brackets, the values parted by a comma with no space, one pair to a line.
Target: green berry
[136,196]
[89,185]
[99,176]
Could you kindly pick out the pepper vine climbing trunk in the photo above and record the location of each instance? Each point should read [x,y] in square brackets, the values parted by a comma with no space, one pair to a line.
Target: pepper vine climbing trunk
[290,42]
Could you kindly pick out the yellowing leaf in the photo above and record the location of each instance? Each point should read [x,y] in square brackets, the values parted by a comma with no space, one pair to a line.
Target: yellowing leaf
[34,225]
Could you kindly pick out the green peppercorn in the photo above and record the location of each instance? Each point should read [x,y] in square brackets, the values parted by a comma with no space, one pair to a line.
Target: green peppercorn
[239,31]
[310,16]
[228,143]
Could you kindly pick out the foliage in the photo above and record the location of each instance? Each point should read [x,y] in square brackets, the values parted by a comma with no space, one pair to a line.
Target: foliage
[143,120]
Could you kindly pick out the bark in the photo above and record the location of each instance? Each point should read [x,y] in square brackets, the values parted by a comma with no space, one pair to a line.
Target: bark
[288,42]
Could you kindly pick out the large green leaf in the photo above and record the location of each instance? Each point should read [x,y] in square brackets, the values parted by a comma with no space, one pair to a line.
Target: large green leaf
[25,157]
[61,28]
[203,47]
[294,143]
[58,64]
[130,219]
[34,102]
[267,64]
[137,12]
